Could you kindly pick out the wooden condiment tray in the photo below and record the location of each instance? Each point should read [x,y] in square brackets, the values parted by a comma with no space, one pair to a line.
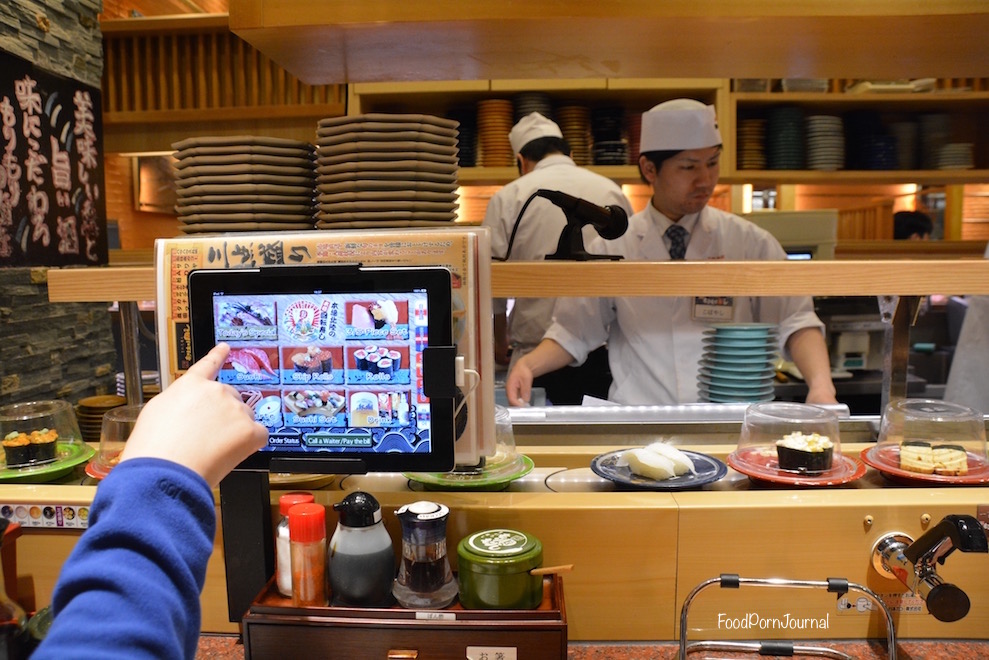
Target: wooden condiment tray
[274,628]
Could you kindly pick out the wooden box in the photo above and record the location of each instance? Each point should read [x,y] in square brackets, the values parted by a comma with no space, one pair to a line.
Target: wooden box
[273,628]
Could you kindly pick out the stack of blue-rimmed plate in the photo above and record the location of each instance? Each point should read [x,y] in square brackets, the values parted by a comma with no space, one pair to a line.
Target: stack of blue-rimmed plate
[244,183]
[738,362]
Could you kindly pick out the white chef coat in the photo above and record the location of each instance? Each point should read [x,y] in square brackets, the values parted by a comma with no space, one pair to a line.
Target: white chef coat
[968,380]
[654,344]
[539,233]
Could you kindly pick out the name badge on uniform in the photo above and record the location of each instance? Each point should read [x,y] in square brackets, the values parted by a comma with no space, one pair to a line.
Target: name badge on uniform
[713,308]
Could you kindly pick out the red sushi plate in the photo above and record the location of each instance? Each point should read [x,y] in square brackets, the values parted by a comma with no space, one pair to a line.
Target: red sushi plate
[886,459]
[97,470]
[761,464]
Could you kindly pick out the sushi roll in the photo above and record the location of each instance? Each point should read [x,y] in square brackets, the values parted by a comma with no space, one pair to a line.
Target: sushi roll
[360,358]
[17,449]
[396,360]
[810,454]
[372,362]
[21,449]
[43,445]
[325,361]
[385,366]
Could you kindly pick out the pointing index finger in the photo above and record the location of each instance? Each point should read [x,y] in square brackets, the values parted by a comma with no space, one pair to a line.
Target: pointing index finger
[209,366]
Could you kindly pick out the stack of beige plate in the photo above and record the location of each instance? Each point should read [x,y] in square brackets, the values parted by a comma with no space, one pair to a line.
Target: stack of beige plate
[386,170]
[495,118]
[752,144]
[575,124]
[90,411]
[244,183]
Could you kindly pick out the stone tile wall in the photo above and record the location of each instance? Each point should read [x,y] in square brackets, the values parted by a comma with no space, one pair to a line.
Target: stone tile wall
[65,350]
[51,350]
[60,36]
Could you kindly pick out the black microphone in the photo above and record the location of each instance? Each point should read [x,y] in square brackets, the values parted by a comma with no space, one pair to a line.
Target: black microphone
[610,221]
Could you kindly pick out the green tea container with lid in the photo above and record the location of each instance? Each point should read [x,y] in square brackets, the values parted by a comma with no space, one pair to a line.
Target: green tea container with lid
[493,570]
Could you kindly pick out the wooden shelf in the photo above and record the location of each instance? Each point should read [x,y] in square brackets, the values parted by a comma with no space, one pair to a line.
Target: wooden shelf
[871,177]
[629,174]
[920,101]
[314,111]
[536,279]
[160,25]
[349,41]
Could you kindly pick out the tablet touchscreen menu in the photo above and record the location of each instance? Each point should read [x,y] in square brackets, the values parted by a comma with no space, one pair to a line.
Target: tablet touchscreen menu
[331,359]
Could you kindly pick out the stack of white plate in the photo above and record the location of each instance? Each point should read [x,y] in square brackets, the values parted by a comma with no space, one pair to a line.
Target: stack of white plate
[150,384]
[738,362]
[956,156]
[825,143]
[244,183]
[386,170]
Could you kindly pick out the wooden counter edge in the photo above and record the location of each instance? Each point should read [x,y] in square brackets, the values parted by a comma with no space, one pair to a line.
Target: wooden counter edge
[623,278]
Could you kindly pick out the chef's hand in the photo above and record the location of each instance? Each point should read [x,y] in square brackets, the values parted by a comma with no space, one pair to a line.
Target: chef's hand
[518,385]
[821,394]
[546,357]
[198,422]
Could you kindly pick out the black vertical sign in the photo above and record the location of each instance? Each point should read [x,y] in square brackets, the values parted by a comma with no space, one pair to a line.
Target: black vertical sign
[52,204]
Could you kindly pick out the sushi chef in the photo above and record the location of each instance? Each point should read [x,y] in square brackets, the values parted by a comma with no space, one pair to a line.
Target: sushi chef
[655,344]
[544,160]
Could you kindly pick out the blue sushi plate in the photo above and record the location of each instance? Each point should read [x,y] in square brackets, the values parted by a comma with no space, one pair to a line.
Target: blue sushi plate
[707,470]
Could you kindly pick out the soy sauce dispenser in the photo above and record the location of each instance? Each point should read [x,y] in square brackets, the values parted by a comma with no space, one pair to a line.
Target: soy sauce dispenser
[424,576]
[360,557]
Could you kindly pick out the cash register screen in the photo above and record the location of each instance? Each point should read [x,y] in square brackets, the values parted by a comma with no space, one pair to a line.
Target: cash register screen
[332,364]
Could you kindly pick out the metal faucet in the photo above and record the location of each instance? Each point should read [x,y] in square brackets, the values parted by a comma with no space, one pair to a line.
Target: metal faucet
[914,563]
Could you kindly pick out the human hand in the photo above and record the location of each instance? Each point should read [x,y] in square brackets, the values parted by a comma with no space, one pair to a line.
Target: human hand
[822,394]
[518,385]
[198,422]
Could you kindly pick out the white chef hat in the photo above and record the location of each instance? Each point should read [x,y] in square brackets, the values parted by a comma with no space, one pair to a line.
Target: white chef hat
[677,125]
[532,127]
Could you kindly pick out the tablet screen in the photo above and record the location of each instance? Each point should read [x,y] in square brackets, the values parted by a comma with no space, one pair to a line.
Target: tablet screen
[331,360]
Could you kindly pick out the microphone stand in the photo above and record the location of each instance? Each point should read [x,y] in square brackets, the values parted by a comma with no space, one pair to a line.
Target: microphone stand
[571,244]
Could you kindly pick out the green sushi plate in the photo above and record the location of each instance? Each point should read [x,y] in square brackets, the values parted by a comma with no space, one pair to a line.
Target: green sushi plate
[68,456]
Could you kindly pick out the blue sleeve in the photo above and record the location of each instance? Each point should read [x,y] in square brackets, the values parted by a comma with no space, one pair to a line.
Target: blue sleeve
[130,587]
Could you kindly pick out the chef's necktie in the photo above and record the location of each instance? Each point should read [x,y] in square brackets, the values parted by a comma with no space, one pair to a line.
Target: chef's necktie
[678,242]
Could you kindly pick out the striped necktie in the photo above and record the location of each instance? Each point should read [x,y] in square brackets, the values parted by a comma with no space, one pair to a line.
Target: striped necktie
[678,242]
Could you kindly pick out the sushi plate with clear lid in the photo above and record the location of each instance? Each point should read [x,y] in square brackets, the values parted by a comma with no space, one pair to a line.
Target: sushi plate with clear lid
[761,464]
[41,441]
[929,424]
[793,444]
